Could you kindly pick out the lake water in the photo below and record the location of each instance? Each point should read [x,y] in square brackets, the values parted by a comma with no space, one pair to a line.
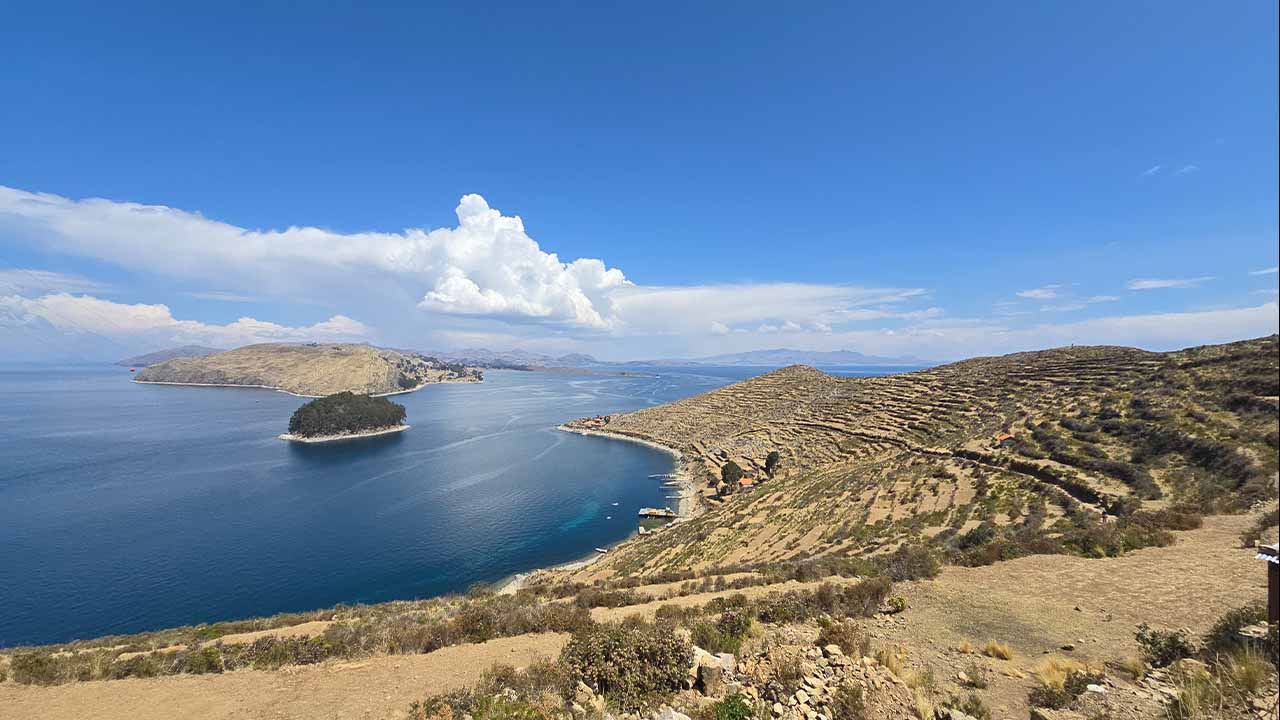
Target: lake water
[127,507]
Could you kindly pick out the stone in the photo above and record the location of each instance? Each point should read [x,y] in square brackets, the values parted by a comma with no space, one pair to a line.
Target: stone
[778,709]
[1095,688]
[802,697]
[587,698]
[668,713]
[1047,714]
[832,650]
[711,680]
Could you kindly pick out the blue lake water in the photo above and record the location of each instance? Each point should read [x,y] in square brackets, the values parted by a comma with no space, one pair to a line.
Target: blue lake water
[127,507]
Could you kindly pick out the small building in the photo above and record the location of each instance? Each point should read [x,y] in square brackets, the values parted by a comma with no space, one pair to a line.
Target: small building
[746,483]
[1269,554]
[1002,440]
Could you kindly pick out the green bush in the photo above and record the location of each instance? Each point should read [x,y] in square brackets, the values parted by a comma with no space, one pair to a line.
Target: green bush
[1163,647]
[911,562]
[630,664]
[725,635]
[733,707]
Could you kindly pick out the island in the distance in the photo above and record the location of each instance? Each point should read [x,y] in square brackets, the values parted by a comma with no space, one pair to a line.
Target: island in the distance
[345,416]
[310,369]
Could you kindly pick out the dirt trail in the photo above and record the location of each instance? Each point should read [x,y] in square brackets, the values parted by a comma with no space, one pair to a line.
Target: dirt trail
[375,688]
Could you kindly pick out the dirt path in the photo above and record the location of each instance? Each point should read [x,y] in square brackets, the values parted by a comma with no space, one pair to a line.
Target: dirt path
[375,688]
[1037,605]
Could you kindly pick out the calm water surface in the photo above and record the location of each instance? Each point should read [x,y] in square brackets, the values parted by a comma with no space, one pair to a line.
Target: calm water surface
[128,507]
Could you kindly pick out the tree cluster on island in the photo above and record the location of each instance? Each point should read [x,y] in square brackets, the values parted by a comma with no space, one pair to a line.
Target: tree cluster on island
[345,413]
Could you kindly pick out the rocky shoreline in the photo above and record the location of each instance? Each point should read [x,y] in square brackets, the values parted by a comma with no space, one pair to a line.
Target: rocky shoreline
[338,438]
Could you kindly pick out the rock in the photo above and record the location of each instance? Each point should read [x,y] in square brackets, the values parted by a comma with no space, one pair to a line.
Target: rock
[1190,666]
[778,709]
[1047,714]
[832,650]
[667,713]
[802,697]
[1069,647]
[1095,688]
[727,661]
[711,680]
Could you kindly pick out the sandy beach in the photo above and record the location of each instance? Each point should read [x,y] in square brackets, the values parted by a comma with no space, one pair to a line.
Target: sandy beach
[337,438]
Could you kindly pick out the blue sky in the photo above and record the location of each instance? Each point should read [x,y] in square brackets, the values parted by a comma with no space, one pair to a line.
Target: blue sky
[940,180]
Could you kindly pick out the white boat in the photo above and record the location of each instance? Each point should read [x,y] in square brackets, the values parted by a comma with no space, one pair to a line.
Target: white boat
[602,551]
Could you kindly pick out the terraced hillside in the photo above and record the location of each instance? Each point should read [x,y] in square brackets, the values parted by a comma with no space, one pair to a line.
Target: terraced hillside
[988,458]
[311,369]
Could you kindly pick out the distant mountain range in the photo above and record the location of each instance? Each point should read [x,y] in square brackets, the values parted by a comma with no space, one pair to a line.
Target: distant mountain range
[782,357]
[779,357]
[159,356]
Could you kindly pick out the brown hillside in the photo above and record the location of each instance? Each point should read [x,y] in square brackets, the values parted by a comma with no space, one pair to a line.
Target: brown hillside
[307,369]
[869,462]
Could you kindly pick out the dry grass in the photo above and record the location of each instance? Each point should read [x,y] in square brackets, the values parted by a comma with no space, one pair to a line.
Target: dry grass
[1053,670]
[890,657]
[1247,671]
[923,705]
[998,650]
[1134,666]
[965,647]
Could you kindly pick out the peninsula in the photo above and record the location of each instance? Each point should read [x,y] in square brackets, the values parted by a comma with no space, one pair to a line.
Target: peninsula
[310,370]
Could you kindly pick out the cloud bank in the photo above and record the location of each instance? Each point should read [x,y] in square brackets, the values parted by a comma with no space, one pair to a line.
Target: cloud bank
[487,281]
[67,321]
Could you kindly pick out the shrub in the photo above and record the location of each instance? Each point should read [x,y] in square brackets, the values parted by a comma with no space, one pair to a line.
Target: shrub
[733,707]
[911,562]
[1163,647]
[970,705]
[848,704]
[725,634]
[1258,532]
[629,664]
[201,661]
[1224,636]
[897,604]
[975,676]
[35,668]
[848,636]
[789,672]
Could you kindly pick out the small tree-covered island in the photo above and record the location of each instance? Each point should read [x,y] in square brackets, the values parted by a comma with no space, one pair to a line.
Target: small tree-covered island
[344,416]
